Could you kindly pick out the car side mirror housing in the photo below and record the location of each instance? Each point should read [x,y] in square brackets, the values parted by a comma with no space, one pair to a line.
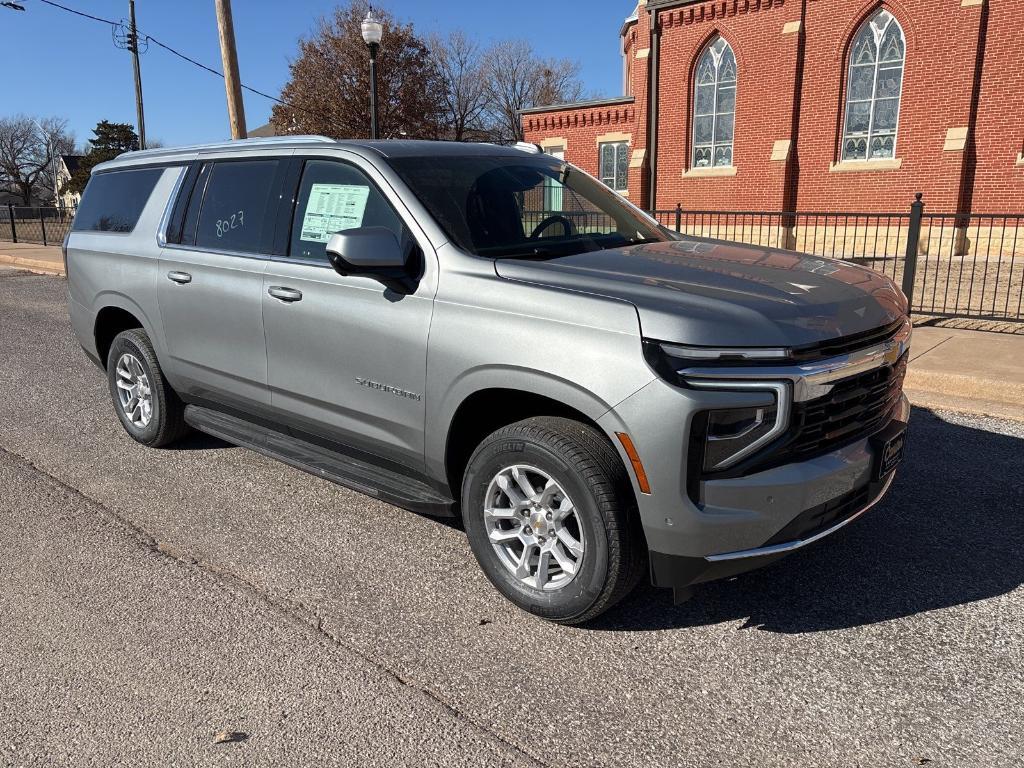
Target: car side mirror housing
[366,251]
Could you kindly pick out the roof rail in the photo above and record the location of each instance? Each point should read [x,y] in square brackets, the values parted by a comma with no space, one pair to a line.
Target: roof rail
[241,143]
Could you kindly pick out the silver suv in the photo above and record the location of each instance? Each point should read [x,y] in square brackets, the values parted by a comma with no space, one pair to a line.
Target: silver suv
[488,332]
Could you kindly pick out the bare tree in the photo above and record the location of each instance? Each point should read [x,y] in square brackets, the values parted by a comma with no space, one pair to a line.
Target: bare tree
[517,79]
[558,82]
[27,151]
[461,63]
[328,92]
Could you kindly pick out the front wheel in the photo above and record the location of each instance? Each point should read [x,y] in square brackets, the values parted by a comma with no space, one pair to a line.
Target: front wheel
[552,520]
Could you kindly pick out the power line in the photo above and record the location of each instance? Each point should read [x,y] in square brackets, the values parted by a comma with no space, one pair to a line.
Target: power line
[182,56]
[211,70]
[80,13]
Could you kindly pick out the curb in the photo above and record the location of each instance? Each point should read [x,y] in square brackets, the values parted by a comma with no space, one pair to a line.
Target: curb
[977,388]
[34,265]
[941,401]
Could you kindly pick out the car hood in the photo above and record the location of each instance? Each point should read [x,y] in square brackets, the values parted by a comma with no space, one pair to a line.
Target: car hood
[705,292]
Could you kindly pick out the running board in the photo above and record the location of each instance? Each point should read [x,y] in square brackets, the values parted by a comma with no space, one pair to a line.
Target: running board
[362,476]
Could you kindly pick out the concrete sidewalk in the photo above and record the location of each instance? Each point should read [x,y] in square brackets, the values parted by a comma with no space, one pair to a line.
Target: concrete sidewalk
[953,369]
[971,371]
[47,259]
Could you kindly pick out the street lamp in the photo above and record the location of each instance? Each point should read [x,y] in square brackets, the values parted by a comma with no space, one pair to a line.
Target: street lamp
[373,30]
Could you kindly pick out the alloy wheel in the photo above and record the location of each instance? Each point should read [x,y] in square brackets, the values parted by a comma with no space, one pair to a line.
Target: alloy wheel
[133,390]
[533,527]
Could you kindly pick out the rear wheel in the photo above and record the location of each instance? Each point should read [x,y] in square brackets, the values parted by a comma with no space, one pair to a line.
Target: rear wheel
[552,520]
[149,410]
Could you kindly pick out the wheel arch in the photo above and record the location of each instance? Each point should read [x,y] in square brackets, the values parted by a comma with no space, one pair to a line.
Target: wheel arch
[487,410]
[110,321]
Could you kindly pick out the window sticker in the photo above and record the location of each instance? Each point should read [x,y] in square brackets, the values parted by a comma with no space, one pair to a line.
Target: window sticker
[333,208]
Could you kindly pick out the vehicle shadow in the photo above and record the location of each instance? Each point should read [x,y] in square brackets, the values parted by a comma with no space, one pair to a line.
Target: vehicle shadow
[949,532]
[200,441]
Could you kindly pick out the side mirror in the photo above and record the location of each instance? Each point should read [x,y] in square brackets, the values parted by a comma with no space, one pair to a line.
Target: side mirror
[366,251]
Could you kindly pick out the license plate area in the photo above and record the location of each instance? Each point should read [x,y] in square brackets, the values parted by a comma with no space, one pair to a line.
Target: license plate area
[889,447]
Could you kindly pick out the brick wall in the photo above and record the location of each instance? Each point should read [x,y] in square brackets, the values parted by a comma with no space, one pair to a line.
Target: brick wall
[941,39]
[578,130]
[766,64]
[998,172]
[963,71]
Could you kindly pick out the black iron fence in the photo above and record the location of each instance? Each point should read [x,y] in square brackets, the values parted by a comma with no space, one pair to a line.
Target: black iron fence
[949,264]
[35,224]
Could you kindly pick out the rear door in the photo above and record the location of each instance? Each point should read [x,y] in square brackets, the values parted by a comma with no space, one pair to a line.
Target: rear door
[347,356]
[210,282]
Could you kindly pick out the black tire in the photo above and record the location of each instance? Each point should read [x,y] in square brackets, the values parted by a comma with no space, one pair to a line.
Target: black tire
[167,422]
[586,466]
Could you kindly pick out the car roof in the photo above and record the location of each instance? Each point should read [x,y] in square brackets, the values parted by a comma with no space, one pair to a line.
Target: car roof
[385,148]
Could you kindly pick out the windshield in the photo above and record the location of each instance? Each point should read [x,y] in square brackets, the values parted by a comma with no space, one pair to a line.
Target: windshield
[529,207]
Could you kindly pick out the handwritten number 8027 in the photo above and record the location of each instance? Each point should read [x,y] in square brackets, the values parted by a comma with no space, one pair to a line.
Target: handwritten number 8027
[234,221]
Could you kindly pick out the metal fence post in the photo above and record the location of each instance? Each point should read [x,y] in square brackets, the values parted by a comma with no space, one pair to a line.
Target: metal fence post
[679,217]
[14,230]
[42,224]
[913,240]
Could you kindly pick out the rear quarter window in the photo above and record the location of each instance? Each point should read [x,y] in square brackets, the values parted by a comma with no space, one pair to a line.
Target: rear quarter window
[113,200]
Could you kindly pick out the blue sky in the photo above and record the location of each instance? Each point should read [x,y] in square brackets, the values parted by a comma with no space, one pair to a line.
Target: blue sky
[59,64]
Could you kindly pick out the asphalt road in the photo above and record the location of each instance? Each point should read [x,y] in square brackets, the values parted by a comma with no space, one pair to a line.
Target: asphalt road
[151,599]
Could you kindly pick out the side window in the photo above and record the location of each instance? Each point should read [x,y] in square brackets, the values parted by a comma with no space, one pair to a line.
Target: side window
[195,202]
[236,205]
[333,197]
[113,201]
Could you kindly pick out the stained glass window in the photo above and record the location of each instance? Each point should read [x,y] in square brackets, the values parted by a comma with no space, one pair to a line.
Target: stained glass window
[873,89]
[615,165]
[714,106]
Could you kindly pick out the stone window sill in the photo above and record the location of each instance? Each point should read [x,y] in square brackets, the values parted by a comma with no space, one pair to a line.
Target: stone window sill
[853,166]
[709,173]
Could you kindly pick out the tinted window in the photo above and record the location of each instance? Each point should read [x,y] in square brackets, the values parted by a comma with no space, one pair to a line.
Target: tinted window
[113,201]
[236,206]
[334,197]
[523,207]
[195,201]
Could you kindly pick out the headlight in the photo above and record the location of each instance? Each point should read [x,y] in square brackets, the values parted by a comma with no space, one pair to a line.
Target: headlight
[728,435]
[721,438]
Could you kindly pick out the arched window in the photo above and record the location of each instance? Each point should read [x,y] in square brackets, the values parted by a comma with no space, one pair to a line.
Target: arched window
[873,89]
[714,110]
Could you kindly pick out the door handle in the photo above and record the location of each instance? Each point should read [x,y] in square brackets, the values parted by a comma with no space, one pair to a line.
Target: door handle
[287,295]
[179,277]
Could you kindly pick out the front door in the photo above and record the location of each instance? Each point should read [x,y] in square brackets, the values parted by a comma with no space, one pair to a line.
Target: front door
[347,356]
[210,286]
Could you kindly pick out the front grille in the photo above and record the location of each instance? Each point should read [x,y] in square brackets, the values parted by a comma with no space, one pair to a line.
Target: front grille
[822,517]
[854,408]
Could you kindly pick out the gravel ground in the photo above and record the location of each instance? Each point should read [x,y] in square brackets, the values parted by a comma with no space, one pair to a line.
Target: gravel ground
[151,599]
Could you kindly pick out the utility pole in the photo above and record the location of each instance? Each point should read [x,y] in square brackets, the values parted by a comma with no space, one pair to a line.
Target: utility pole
[229,56]
[133,41]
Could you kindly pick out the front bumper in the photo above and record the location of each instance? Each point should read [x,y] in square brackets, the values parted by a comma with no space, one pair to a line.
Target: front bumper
[677,571]
[738,525]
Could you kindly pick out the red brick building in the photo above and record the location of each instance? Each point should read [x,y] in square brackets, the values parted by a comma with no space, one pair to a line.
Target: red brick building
[808,105]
